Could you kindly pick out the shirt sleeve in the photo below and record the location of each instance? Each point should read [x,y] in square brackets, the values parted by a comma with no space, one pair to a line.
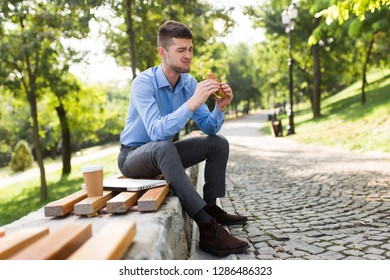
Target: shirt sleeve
[158,127]
[209,122]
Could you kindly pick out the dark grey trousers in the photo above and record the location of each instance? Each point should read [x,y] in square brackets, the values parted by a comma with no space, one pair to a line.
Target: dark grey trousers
[171,159]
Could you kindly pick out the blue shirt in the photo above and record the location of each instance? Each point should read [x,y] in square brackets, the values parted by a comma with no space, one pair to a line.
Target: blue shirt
[157,112]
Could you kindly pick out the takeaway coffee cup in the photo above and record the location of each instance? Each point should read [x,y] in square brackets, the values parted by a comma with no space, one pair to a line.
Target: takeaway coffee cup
[93,179]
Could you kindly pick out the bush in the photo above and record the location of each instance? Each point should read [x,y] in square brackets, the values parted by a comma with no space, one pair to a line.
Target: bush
[22,158]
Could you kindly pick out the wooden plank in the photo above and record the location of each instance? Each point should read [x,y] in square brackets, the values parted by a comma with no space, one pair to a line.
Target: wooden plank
[91,205]
[110,243]
[65,205]
[2,232]
[58,245]
[122,202]
[15,242]
[152,199]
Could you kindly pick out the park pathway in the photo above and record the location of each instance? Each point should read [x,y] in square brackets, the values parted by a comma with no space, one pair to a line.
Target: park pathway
[304,201]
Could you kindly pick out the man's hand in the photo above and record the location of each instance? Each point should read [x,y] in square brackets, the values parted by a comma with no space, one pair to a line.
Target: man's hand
[223,102]
[202,92]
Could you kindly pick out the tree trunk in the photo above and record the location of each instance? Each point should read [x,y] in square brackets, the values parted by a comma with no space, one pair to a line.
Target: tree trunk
[30,88]
[236,109]
[316,105]
[247,106]
[31,96]
[131,36]
[66,143]
[364,72]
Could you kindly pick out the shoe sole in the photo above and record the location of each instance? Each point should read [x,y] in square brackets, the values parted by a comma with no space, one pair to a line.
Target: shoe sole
[233,223]
[209,249]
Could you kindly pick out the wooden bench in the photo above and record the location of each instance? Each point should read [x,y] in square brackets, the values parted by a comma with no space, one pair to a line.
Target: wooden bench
[91,205]
[58,245]
[73,241]
[10,244]
[80,204]
[110,243]
[122,202]
[152,199]
[65,205]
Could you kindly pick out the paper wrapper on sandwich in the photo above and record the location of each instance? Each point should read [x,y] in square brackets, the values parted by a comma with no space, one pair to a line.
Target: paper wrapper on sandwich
[219,94]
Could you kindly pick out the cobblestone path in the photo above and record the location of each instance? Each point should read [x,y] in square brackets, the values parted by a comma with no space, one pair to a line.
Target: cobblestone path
[303,201]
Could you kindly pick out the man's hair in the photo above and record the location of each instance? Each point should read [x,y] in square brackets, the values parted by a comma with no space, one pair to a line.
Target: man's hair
[172,29]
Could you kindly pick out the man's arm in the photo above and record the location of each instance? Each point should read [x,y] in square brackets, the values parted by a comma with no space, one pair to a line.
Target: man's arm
[158,127]
[211,123]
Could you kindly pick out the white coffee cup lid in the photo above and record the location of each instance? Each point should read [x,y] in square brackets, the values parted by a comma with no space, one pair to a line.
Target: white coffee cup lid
[91,168]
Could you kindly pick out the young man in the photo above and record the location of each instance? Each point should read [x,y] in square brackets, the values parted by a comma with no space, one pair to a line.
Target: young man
[163,99]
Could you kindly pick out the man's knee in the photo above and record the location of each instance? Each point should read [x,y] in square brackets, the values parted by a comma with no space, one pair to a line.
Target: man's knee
[220,142]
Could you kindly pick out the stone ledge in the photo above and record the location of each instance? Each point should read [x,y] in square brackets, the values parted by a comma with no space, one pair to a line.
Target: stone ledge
[161,235]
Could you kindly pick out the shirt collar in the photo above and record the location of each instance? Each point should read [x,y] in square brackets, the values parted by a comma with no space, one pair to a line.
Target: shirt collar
[163,82]
[161,79]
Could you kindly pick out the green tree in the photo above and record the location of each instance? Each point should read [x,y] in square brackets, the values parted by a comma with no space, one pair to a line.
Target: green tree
[88,117]
[240,77]
[342,10]
[64,87]
[367,22]
[31,33]
[271,71]
[14,124]
[306,58]
[141,20]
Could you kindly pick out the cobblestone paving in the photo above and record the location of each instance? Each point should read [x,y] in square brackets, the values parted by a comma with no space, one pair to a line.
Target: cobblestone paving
[303,201]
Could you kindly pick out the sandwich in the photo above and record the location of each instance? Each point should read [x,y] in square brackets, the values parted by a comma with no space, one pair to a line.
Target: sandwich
[219,94]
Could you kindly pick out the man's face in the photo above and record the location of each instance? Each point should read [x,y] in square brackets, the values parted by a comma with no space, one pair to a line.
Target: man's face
[179,55]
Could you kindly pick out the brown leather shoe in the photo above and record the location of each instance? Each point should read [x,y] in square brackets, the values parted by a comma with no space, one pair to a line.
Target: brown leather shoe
[224,218]
[216,240]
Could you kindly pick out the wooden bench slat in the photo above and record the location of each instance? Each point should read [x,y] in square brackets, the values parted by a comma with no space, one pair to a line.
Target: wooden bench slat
[65,205]
[58,245]
[91,205]
[152,199]
[110,243]
[122,202]
[15,242]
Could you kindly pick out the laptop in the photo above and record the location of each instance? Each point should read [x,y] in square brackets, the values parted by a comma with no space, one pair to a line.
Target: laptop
[131,185]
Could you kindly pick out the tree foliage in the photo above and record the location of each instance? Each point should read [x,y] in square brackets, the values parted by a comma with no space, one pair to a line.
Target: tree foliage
[31,47]
[367,22]
[326,55]
[139,28]
[343,10]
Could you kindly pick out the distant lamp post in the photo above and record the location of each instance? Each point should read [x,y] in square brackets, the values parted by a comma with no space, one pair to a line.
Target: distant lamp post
[288,18]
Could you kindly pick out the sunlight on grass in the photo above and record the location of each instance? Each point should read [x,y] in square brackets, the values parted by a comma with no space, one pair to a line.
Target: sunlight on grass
[345,122]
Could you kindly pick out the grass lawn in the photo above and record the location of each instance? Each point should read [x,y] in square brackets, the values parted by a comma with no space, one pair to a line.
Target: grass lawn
[345,122]
[19,199]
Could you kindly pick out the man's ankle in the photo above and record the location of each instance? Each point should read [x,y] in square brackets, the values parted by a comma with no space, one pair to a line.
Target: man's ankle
[202,217]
